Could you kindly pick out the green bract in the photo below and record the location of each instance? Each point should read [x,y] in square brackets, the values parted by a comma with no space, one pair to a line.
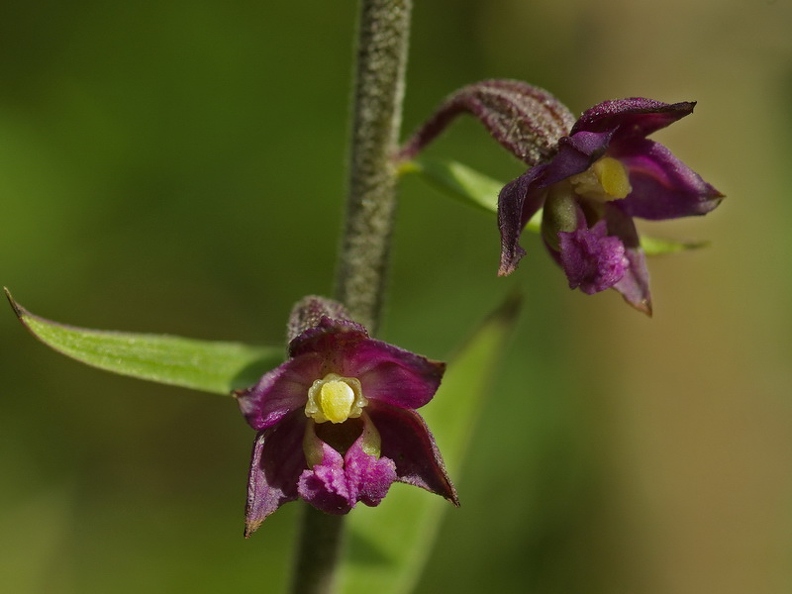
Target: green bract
[217,367]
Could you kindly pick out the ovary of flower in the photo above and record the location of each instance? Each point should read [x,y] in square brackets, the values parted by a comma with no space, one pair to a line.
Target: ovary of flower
[605,180]
[334,398]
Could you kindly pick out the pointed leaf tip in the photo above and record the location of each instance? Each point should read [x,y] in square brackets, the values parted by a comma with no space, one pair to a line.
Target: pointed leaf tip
[209,366]
[16,307]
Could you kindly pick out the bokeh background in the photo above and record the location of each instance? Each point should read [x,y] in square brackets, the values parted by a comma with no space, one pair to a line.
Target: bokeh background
[179,167]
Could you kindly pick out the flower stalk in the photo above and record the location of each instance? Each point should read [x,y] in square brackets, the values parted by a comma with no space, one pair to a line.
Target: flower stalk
[383,34]
[376,119]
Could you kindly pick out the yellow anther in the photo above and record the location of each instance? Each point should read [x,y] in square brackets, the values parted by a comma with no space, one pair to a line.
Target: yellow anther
[612,176]
[334,398]
[605,180]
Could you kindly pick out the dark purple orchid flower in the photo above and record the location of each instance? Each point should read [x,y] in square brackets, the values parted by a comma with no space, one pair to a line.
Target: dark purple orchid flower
[336,422]
[604,173]
[592,176]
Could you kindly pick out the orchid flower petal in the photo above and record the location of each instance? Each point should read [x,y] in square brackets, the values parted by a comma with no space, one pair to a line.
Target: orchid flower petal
[593,260]
[279,391]
[663,187]
[276,464]
[393,375]
[408,442]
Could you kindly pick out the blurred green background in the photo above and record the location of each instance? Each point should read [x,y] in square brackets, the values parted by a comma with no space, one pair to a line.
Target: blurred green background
[179,167]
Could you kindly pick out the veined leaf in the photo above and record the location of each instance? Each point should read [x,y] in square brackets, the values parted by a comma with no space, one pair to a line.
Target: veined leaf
[217,367]
[390,544]
[476,189]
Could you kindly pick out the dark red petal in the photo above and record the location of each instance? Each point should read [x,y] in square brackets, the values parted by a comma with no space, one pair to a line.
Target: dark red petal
[275,467]
[393,375]
[663,187]
[280,391]
[518,201]
[634,285]
[407,441]
[632,117]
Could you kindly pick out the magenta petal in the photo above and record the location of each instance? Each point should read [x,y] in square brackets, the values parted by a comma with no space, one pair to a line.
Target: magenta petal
[372,476]
[634,285]
[393,375]
[338,483]
[325,486]
[280,391]
[663,187]
[407,441]
[592,260]
[275,466]
[632,117]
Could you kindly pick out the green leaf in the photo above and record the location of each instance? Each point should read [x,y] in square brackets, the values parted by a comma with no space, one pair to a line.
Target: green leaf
[657,247]
[217,367]
[459,181]
[389,544]
[463,183]
[476,189]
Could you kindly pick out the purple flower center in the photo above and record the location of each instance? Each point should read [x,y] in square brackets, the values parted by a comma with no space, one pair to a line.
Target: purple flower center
[344,465]
[592,260]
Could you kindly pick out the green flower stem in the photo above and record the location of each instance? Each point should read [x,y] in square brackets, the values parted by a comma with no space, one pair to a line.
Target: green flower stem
[383,33]
[319,549]
[379,88]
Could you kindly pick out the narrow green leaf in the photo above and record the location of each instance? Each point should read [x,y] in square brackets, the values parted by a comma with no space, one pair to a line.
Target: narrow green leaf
[464,184]
[657,247]
[476,189]
[460,181]
[389,544]
[217,367]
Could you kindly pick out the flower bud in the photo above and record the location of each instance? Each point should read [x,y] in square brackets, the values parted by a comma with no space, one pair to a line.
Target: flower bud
[307,312]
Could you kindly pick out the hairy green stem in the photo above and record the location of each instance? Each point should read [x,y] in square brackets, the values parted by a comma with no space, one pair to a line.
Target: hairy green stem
[379,88]
[318,551]
[383,33]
